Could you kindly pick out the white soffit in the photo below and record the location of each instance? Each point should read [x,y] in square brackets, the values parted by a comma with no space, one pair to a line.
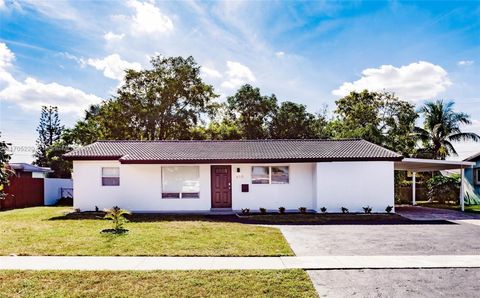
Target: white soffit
[428,165]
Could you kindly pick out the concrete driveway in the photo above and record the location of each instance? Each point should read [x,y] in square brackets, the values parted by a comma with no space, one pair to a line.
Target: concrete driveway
[455,237]
[426,213]
[428,239]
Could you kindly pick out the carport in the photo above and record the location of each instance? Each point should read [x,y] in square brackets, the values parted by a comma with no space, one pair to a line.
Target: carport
[417,165]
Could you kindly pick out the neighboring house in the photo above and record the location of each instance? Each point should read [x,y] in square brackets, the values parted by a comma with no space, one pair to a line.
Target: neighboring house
[179,176]
[27,170]
[29,187]
[26,186]
[472,176]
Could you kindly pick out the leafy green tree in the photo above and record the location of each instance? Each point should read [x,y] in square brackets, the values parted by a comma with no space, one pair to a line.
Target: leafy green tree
[252,111]
[5,171]
[161,103]
[61,168]
[441,127]
[378,117]
[292,121]
[168,101]
[49,131]
[88,130]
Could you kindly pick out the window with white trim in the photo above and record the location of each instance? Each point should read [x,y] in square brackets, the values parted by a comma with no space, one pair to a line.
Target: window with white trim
[477,176]
[110,176]
[181,182]
[270,174]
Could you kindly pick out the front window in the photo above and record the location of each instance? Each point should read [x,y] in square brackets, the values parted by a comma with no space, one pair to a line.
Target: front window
[111,176]
[260,175]
[270,175]
[181,182]
[477,176]
[280,175]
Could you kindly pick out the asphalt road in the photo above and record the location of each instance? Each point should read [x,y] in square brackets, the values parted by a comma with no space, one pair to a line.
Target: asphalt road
[454,282]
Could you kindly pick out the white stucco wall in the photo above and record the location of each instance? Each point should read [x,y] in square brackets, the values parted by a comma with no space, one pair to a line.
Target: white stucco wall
[52,189]
[331,184]
[354,185]
[140,188]
[297,193]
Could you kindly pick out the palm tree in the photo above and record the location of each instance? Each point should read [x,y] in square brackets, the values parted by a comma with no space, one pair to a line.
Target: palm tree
[441,127]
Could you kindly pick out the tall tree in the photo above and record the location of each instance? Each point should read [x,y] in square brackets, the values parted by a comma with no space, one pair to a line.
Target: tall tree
[161,103]
[252,111]
[441,127]
[5,170]
[378,117]
[49,131]
[292,121]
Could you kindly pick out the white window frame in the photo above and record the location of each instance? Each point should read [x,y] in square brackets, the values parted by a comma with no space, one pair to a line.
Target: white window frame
[180,194]
[269,175]
[102,176]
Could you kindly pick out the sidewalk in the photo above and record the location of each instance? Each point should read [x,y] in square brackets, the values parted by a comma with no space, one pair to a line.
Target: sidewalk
[237,263]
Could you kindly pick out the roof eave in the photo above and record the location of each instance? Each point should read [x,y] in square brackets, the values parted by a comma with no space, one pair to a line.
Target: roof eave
[260,160]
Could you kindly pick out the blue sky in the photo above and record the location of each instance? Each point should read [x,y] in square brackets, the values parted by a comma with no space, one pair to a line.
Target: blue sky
[72,53]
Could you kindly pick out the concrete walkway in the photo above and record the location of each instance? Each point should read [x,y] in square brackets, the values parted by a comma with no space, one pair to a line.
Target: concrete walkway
[237,263]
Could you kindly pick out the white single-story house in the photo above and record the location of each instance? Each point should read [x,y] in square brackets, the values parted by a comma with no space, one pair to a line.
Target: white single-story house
[199,176]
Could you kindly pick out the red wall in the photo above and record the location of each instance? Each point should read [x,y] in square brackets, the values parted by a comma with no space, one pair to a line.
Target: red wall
[23,192]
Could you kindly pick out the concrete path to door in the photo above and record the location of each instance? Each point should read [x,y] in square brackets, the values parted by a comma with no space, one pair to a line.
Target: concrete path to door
[235,263]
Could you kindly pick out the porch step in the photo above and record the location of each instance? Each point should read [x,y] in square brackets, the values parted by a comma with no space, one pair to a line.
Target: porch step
[221,211]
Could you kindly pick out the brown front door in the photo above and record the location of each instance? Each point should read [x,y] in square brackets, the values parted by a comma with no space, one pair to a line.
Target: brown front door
[221,186]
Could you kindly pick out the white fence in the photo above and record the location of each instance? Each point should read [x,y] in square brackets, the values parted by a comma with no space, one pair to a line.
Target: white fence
[53,189]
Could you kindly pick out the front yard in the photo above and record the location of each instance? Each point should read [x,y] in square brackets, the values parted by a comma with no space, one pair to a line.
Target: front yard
[246,283]
[44,231]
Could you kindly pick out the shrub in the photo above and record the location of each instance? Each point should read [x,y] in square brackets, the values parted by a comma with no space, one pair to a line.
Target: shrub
[367,209]
[323,209]
[263,210]
[344,210]
[389,209]
[246,211]
[302,210]
[281,210]
[117,216]
[443,188]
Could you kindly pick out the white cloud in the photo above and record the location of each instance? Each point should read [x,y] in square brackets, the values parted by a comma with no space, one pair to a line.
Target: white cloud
[149,19]
[113,66]
[32,94]
[10,5]
[112,37]
[280,54]
[210,72]
[416,81]
[6,56]
[61,10]
[238,74]
[465,62]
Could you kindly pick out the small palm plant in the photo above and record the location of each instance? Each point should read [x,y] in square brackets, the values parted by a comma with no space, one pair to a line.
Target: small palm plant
[117,216]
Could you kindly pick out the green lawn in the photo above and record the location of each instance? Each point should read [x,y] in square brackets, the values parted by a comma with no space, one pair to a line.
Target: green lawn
[32,231]
[468,208]
[246,283]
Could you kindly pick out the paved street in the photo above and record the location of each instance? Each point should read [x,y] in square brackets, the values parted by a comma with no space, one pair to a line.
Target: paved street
[452,282]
